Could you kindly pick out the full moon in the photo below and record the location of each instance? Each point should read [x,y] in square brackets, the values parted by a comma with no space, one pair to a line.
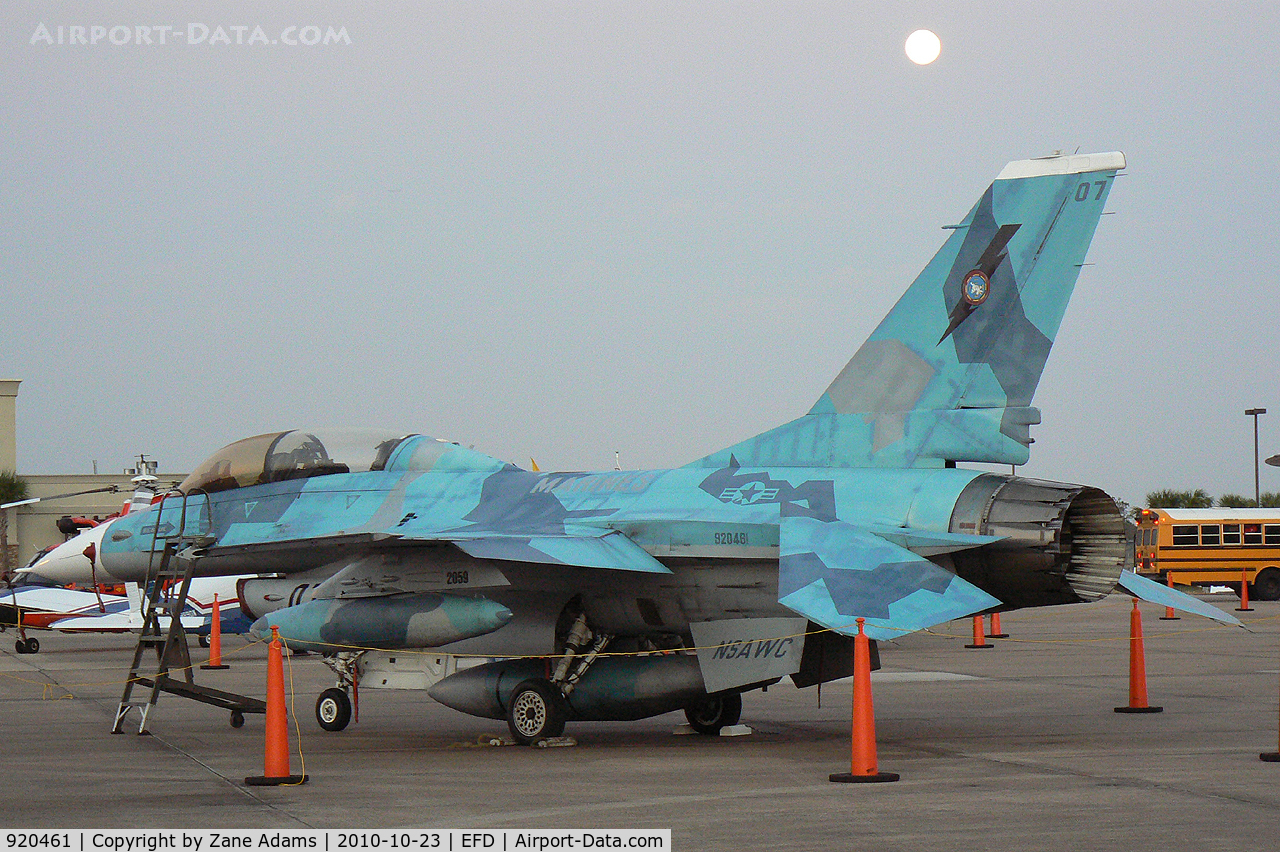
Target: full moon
[923,47]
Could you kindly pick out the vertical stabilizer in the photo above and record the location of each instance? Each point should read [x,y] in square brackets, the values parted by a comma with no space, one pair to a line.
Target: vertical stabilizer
[949,374]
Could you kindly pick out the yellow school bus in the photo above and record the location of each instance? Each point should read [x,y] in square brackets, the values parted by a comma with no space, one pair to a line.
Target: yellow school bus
[1211,547]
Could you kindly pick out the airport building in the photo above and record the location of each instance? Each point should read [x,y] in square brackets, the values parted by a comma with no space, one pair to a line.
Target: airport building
[34,527]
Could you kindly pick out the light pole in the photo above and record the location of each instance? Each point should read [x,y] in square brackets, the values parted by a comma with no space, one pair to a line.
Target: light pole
[1257,492]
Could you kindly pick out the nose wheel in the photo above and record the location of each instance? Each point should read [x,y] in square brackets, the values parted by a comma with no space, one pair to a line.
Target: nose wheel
[333,709]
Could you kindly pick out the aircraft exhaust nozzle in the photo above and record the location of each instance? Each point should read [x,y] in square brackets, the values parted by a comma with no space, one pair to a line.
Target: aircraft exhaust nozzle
[1060,543]
[614,689]
[423,620]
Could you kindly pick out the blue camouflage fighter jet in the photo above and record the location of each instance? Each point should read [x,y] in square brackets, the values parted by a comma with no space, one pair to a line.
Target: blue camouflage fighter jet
[620,595]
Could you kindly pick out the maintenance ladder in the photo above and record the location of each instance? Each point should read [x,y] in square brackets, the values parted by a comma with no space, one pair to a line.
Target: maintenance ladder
[173,655]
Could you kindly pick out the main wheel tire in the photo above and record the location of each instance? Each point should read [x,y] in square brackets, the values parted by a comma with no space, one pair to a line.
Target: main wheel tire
[714,712]
[333,709]
[1266,586]
[33,645]
[203,640]
[20,646]
[536,712]
[237,719]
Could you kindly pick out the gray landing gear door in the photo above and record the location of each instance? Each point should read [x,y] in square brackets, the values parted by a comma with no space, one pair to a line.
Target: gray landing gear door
[744,651]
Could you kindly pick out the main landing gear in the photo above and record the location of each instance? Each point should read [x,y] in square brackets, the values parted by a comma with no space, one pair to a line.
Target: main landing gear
[31,645]
[714,712]
[539,708]
[537,711]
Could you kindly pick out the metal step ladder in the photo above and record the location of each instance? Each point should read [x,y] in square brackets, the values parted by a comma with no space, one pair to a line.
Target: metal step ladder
[173,654]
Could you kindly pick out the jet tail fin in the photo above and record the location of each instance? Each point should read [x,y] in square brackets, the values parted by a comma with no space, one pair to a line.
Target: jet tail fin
[949,374]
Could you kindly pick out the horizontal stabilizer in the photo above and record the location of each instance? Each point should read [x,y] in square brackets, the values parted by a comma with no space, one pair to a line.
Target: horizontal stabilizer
[930,543]
[611,551]
[1150,590]
[834,572]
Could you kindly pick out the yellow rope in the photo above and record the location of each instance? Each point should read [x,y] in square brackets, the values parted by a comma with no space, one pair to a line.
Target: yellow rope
[1022,619]
[293,709]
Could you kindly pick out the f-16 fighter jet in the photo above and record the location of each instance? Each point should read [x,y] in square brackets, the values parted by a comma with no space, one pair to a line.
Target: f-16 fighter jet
[624,594]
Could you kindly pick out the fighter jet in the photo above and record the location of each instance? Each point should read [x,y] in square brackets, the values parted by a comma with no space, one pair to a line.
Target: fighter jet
[623,594]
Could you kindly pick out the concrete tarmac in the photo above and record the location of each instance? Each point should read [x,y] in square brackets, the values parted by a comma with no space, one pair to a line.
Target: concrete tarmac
[1016,747]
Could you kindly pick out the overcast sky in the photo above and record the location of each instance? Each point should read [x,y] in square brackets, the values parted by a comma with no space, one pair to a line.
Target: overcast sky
[563,229]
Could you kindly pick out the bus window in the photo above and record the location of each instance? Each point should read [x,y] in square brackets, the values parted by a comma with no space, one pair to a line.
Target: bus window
[1253,533]
[1272,532]
[1230,533]
[1185,535]
[1146,538]
[1210,534]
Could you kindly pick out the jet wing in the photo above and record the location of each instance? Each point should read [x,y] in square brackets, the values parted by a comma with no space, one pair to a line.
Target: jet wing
[584,548]
[612,551]
[833,572]
[1150,590]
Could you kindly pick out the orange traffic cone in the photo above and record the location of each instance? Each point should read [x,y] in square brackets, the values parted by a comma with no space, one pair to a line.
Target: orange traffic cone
[215,639]
[1244,592]
[275,758]
[996,632]
[862,767]
[979,637]
[1169,614]
[1137,668]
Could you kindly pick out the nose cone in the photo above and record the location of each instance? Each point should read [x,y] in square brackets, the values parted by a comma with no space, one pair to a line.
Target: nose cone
[475,616]
[499,615]
[67,562]
[260,629]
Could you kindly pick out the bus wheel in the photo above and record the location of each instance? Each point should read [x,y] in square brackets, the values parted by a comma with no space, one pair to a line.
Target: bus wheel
[1266,586]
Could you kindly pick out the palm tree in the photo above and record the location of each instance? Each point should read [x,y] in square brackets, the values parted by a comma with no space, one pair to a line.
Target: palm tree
[12,489]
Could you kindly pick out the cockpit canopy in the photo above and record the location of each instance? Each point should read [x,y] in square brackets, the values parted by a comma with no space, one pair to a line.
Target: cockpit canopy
[302,454]
[280,456]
